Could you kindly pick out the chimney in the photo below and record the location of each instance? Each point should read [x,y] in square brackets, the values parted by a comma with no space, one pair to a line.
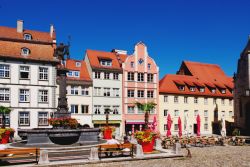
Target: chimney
[19,26]
[51,30]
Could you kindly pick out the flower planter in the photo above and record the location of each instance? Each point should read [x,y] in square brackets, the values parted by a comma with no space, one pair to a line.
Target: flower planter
[107,133]
[147,147]
[5,137]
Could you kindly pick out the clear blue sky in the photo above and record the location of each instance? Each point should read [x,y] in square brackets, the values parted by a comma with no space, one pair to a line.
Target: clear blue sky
[212,31]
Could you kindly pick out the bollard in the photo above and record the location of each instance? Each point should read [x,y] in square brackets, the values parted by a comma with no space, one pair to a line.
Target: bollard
[44,158]
[94,154]
[177,148]
[158,144]
[139,151]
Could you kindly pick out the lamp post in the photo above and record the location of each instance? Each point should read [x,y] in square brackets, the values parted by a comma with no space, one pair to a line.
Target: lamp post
[107,111]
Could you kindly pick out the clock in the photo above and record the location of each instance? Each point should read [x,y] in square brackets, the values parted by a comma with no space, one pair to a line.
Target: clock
[140,61]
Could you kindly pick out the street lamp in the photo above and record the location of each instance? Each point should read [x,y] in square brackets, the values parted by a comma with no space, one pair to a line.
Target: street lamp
[107,111]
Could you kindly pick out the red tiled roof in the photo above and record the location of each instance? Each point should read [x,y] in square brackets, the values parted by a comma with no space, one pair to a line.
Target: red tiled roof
[208,75]
[94,57]
[71,65]
[189,83]
[179,82]
[40,52]
[8,32]
[123,57]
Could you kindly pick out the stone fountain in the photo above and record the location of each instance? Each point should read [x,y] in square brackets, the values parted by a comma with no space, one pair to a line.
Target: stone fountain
[60,136]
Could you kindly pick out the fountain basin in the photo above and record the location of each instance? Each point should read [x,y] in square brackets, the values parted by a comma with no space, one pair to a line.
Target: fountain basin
[59,136]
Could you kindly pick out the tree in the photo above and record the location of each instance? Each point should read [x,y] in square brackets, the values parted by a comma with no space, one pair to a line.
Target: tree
[146,107]
[4,111]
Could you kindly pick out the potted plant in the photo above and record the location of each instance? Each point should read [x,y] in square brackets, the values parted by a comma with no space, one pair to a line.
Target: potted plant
[5,134]
[146,137]
[64,123]
[107,132]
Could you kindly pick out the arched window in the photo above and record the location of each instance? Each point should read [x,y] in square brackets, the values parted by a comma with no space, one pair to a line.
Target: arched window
[27,36]
[25,51]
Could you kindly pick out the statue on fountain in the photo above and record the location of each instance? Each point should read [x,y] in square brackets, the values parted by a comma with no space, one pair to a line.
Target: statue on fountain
[62,108]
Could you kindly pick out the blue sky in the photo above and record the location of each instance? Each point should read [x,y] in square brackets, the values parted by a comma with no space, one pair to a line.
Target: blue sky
[209,31]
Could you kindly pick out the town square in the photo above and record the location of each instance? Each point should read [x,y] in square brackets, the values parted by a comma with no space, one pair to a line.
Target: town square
[124,83]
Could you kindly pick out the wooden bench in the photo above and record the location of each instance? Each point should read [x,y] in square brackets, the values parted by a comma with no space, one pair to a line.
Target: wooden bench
[12,153]
[118,148]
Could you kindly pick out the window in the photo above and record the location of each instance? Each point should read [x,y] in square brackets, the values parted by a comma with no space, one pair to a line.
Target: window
[213,90]
[106,75]
[131,109]
[176,99]
[140,93]
[176,127]
[214,100]
[24,95]
[74,90]
[140,77]
[186,100]
[77,74]
[132,64]
[85,109]
[206,119]
[7,119]
[149,66]
[116,92]
[181,87]
[150,94]
[97,75]
[131,93]
[165,99]
[205,113]
[78,64]
[202,89]
[106,62]
[43,119]
[85,91]
[150,77]
[115,109]
[176,113]
[24,118]
[206,127]
[106,92]
[196,100]
[27,36]
[223,91]
[4,71]
[4,94]
[70,73]
[165,127]
[230,113]
[165,112]
[24,72]
[43,73]
[97,91]
[131,76]
[192,88]
[25,52]
[223,102]
[116,76]
[222,113]
[205,100]
[74,109]
[196,112]
[97,109]
[230,102]
[43,96]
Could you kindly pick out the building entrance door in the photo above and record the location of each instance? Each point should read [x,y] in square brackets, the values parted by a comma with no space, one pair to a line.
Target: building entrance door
[195,128]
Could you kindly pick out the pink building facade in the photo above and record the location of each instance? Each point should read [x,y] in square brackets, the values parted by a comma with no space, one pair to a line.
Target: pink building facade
[140,83]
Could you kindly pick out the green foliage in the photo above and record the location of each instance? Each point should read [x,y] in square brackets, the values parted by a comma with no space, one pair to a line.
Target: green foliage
[145,106]
[4,131]
[4,110]
[236,132]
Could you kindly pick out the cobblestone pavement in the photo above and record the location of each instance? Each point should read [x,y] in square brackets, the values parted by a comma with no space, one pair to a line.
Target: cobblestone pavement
[217,156]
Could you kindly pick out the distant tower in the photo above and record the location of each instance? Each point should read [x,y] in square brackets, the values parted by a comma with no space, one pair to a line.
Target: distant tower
[242,91]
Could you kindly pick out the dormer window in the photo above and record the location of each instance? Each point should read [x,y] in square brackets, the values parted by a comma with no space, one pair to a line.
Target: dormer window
[202,89]
[181,87]
[73,74]
[132,64]
[223,91]
[106,62]
[25,51]
[27,36]
[213,90]
[78,64]
[192,88]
